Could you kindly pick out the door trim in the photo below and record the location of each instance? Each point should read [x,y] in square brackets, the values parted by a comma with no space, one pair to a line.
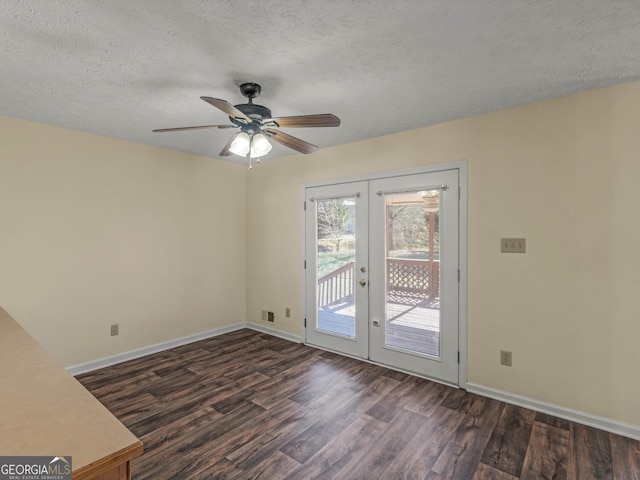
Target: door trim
[461,166]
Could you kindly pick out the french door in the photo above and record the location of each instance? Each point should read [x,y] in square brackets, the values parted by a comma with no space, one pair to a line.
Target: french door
[336,227]
[382,271]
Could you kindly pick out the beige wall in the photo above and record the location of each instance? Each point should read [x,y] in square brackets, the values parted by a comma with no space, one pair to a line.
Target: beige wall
[564,174]
[95,231]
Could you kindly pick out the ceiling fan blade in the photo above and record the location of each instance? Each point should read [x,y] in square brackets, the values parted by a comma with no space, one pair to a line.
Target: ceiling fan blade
[225,152]
[291,142]
[227,108]
[319,120]
[161,130]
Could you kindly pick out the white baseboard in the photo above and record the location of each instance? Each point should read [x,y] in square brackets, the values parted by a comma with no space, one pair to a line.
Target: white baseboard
[144,351]
[603,423]
[276,333]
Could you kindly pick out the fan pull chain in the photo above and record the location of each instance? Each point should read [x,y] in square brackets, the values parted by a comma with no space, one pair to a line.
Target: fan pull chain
[249,154]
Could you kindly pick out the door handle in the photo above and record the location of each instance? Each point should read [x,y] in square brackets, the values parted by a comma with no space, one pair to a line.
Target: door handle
[362,282]
[363,269]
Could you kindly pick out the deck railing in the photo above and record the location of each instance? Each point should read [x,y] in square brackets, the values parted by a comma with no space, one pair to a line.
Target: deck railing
[413,277]
[337,286]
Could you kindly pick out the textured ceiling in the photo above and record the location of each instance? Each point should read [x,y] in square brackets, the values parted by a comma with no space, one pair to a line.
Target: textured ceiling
[122,68]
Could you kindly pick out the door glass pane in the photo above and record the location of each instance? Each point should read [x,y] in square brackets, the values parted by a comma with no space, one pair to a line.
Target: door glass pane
[412,293]
[336,255]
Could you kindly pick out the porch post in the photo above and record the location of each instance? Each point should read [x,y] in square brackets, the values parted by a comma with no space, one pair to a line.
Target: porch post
[432,224]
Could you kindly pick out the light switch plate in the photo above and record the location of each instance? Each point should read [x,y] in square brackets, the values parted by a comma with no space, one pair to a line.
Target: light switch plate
[513,245]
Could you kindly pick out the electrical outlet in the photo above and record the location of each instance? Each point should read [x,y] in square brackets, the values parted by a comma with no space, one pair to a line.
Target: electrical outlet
[506,358]
[287,312]
[270,317]
[264,315]
[115,329]
[513,245]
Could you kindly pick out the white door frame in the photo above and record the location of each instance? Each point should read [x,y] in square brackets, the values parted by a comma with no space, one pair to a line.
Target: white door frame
[461,166]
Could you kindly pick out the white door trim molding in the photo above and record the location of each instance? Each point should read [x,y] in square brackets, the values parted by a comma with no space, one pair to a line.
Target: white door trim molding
[436,167]
[461,165]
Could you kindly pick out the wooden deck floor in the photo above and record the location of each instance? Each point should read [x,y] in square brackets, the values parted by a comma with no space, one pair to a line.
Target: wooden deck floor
[246,405]
[410,327]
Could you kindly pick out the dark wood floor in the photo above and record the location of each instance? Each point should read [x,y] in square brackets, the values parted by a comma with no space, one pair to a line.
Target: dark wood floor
[246,405]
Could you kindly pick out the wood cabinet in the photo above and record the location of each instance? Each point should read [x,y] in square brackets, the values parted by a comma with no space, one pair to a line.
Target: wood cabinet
[45,411]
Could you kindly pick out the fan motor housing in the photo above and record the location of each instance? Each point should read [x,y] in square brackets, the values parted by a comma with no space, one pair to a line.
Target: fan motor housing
[257,112]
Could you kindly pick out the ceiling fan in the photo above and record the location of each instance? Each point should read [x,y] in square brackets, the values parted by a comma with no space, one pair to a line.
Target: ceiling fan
[256,125]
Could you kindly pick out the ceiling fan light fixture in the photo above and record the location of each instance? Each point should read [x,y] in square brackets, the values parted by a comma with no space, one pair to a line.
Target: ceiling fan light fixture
[240,145]
[260,146]
[253,119]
